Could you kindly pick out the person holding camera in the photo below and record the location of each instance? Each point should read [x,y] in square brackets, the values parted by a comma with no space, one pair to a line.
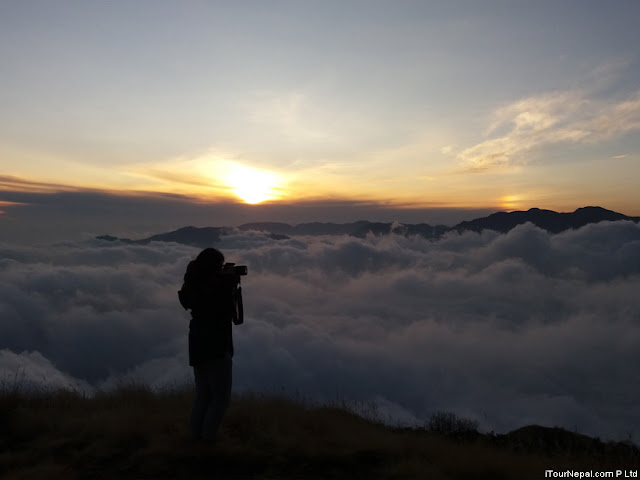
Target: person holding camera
[211,289]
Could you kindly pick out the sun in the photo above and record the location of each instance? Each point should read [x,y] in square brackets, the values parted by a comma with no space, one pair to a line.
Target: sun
[251,184]
[509,202]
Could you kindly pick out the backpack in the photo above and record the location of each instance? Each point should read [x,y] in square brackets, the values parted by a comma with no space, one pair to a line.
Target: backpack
[185,294]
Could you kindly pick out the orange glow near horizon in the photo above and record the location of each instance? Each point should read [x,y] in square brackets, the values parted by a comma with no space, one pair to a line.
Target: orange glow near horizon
[223,180]
[510,202]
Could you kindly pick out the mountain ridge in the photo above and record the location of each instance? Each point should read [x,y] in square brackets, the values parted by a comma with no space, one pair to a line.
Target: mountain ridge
[502,222]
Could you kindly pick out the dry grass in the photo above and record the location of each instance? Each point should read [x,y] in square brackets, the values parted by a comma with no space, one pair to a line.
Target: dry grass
[136,433]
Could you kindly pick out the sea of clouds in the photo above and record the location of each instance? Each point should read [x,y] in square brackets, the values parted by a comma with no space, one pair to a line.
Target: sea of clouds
[506,329]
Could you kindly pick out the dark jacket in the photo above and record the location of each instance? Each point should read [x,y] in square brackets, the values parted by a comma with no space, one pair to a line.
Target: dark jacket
[211,297]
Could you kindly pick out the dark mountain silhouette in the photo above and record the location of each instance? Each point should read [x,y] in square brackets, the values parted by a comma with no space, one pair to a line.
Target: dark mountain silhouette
[315,228]
[356,229]
[502,222]
[549,220]
[197,237]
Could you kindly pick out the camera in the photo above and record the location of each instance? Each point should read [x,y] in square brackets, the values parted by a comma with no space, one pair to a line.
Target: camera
[235,269]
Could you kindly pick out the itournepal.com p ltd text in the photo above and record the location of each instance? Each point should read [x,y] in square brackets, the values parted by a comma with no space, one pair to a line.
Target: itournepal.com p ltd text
[590,474]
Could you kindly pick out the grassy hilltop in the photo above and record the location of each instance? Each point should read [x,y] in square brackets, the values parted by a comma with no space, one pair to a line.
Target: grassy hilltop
[136,433]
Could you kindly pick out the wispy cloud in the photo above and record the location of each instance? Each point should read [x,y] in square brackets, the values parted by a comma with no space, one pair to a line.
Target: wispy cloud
[293,116]
[518,129]
[446,150]
[4,203]
[12,183]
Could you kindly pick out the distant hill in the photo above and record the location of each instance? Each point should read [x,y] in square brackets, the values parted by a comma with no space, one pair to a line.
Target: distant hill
[197,237]
[356,229]
[502,222]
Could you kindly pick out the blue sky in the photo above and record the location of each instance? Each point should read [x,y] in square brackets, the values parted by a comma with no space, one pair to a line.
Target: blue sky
[407,105]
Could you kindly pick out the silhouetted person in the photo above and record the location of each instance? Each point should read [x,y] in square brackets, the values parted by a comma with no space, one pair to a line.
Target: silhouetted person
[212,296]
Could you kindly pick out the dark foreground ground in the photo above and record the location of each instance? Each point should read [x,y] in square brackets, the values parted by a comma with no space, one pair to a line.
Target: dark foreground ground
[134,433]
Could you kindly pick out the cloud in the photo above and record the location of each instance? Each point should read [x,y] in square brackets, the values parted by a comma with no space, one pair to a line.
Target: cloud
[511,329]
[30,371]
[555,118]
[12,183]
[446,150]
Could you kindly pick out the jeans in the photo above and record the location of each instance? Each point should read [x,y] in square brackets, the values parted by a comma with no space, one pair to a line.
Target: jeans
[213,391]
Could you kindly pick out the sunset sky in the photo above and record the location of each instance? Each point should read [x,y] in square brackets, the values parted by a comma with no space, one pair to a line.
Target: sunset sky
[133,118]
[384,109]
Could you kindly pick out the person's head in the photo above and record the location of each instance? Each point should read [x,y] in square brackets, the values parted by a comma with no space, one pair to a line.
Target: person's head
[211,258]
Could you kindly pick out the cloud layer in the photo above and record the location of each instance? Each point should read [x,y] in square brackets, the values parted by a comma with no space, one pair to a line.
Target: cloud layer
[506,329]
